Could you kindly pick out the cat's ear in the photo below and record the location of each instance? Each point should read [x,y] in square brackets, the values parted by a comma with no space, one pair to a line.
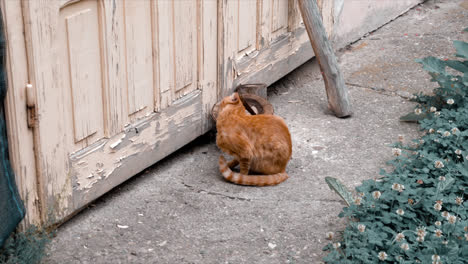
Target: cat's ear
[234,97]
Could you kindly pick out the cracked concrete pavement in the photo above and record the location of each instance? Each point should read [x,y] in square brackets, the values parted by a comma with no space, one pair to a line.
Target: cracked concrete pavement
[181,211]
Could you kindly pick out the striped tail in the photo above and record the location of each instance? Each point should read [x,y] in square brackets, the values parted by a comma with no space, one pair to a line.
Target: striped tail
[256,180]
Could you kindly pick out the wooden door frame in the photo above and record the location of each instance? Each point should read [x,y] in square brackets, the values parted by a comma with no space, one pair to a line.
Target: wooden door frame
[20,135]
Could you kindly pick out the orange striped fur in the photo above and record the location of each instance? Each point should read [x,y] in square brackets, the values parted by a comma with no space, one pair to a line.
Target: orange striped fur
[257,180]
[258,143]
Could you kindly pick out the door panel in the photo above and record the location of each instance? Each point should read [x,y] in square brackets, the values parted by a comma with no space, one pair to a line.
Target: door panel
[139,57]
[84,67]
[279,19]
[118,85]
[270,41]
[246,14]
[184,15]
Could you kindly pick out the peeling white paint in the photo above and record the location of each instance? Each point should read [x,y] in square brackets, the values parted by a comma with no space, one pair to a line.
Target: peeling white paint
[158,127]
[115,144]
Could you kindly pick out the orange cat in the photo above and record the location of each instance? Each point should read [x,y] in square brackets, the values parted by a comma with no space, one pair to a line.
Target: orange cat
[259,143]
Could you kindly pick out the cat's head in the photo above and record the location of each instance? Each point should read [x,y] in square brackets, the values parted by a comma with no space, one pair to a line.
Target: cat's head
[232,101]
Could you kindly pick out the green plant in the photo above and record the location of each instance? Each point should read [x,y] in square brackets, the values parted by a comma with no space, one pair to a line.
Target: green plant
[417,213]
[26,247]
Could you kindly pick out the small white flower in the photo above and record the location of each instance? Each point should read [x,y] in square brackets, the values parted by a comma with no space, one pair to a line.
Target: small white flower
[336,245]
[438,164]
[399,237]
[452,219]
[454,79]
[396,152]
[382,255]
[466,157]
[466,236]
[441,178]
[361,228]
[417,111]
[450,101]
[445,242]
[420,239]
[432,109]
[455,130]
[458,152]
[421,231]
[376,194]
[437,207]
[436,140]
[435,257]
[431,130]
[438,233]
[445,214]
[437,113]
[330,235]
[400,211]
[358,200]
[446,134]
[459,200]
[404,246]
[438,223]
[402,187]
[398,187]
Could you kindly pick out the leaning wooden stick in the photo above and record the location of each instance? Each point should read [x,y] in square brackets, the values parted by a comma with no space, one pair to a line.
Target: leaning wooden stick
[337,92]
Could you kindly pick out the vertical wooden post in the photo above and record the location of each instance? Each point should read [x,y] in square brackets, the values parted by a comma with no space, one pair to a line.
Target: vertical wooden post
[337,92]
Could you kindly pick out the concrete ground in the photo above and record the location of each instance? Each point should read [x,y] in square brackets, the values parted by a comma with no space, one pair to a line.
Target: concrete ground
[182,211]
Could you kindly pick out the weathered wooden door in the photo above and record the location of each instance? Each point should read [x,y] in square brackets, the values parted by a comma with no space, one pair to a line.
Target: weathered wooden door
[119,84]
[259,36]
[263,40]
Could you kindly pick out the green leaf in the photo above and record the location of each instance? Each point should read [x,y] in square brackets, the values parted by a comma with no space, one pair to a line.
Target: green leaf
[432,64]
[340,189]
[463,168]
[375,238]
[465,79]
[412,117]
[445,184]
[462,48]
[457,65]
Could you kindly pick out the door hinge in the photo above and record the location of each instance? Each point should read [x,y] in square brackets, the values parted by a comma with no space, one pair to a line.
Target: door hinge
[31,105]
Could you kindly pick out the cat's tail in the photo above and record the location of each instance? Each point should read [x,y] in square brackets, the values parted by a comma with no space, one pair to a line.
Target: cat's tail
[256,180]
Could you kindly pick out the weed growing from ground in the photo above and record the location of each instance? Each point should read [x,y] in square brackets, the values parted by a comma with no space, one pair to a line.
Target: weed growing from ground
[27,247]
[417,213]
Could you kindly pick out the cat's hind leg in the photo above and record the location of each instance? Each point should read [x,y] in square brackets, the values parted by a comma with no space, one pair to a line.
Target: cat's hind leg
[244,166]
